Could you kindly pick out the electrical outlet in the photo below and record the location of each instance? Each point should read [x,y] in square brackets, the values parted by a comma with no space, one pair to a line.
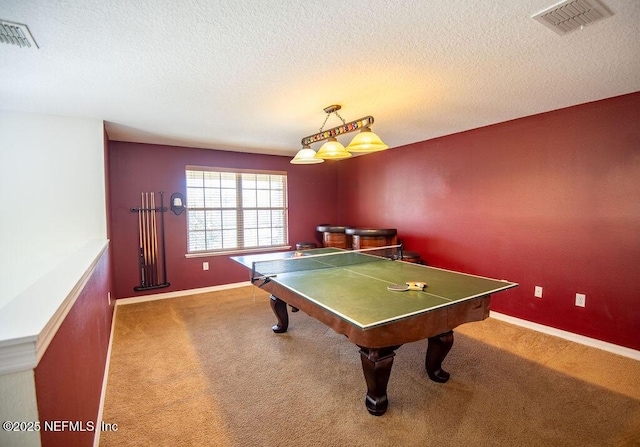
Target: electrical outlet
[205,266]
[581,299]
[537,292]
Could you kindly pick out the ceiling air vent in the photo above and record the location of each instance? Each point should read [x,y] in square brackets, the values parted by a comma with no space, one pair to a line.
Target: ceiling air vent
[16,34]
[571,15]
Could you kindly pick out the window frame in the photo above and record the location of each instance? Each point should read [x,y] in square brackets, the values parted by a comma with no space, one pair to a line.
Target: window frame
[239,211]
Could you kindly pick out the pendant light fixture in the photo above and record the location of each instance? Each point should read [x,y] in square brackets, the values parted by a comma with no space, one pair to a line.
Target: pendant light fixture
[365,141]
[332,150]
[306,156]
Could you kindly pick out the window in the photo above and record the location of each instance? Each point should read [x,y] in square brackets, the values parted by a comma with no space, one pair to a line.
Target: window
[235,210]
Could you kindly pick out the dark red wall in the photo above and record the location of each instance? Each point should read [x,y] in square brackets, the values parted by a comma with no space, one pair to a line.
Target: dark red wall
[69,376]
[136,168]
[551,200]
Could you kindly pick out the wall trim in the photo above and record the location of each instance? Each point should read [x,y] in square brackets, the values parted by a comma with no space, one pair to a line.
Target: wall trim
[29,322]
[105,379]
[18,355]
[58,317]
[581,339]
[179,293]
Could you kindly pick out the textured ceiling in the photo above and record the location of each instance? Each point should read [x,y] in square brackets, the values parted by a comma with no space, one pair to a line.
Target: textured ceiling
[255,75]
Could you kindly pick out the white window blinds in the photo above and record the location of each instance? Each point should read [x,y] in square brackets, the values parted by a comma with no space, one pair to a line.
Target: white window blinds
[235,210]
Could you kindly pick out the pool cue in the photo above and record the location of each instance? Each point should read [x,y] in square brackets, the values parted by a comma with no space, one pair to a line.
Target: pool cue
[154,241]
[141,252]
[149,217]
[144,236]
[164,254]
[147,252]
[144,239]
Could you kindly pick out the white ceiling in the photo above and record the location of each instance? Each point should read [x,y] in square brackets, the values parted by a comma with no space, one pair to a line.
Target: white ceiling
[254,76]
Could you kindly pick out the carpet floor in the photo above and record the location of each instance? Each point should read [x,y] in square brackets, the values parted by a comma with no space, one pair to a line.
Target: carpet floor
[206,370]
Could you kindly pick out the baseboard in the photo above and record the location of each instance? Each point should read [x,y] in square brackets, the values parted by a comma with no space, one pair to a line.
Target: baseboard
[581,339]
[179,293]
[105,379]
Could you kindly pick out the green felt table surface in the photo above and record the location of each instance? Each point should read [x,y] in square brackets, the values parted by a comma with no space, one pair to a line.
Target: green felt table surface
[358,293]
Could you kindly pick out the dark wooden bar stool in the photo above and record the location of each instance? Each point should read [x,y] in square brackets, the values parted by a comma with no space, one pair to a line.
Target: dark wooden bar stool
[334,236]
[306,245]
[372,237]
[411,256]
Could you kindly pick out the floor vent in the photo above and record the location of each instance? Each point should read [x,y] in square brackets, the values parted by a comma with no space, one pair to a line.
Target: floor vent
[570,15]
[16,34]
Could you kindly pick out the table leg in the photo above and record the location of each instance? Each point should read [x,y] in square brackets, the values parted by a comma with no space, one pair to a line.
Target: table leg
[376,365]
[279,308]
[437,349]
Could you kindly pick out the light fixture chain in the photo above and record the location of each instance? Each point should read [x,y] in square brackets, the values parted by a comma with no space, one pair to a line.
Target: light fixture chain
[341,118]
[325,121]
[344,123]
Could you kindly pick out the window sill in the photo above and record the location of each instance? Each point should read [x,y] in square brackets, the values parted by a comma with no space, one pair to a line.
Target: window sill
[206,254]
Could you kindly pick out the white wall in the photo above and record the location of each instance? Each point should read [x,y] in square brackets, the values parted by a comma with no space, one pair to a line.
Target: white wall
[18,404]
[52,194]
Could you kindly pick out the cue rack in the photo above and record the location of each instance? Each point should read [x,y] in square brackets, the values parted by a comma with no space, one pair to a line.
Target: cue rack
[151,250]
